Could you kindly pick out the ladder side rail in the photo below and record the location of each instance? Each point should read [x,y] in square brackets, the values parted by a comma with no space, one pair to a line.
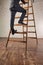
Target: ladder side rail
[34,23]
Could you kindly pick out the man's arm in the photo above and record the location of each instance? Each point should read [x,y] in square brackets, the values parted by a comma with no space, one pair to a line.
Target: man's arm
[23,1]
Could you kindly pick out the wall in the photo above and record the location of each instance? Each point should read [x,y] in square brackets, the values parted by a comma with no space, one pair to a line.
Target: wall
[0,17]
[5,18]
[38,9]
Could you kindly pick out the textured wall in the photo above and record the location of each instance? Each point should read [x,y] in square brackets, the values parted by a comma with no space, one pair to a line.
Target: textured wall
[5,18]
[38,9]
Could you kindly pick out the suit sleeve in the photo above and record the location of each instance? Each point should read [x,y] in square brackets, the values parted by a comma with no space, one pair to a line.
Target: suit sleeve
[23,1]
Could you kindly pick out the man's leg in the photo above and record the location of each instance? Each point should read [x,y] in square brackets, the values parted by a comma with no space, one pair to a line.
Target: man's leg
[23,15]
[12,22]
[23,11]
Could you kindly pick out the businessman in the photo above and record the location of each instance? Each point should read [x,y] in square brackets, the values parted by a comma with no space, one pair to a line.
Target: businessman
[15,7]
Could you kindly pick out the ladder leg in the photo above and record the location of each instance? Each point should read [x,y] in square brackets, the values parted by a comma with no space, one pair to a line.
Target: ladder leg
[26,36]
[36,39]
[26,47]
[8,38]
[34,24]
[23,33]
[26,39]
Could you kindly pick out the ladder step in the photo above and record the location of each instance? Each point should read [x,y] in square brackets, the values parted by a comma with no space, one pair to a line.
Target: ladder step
[28,7]
[30,13]
[28,20]
[31,26]
[31,19]
[31,32]
[23,25]
[25,20]
[21,32]
[17,41]
[19,25]
[33,37]
[19,16]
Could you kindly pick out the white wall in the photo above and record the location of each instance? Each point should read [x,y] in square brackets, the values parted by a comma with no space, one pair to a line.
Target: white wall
[5,18]
[0,22]
[38,9]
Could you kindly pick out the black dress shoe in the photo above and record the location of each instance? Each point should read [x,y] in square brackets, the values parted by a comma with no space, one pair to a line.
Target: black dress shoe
[13,31]
[22,23]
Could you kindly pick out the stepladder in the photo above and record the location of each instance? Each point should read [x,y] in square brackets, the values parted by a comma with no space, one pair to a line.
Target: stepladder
[29,19]
[25,28]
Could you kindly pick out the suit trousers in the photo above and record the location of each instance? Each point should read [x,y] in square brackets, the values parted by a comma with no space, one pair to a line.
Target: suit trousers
[14,10]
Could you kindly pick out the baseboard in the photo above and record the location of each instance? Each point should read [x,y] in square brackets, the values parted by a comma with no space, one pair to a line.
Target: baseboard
[10,38]
[14,38]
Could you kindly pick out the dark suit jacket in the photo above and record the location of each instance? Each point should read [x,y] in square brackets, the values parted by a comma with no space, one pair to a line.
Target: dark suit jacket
[15,3]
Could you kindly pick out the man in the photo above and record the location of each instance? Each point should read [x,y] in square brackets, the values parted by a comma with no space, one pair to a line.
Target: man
[15,7]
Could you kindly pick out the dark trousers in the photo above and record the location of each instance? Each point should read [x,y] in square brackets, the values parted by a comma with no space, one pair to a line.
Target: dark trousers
[17,8]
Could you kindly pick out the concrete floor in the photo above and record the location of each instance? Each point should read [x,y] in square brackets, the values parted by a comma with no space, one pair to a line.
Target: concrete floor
[15,53]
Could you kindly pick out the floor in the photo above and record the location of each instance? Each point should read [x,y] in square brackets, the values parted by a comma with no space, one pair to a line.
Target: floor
[15,52]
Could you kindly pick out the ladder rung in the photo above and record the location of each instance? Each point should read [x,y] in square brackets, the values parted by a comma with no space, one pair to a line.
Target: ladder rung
[31,26]
[19,25]
[30,13]
[31,19]
[18,41]
[28,20]
[31,32]
[22,25]
[25,20]
[19,17]
[21,32]
[32,37]
[28,7]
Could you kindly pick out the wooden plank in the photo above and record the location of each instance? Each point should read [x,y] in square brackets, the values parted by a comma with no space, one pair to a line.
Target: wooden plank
[20,25]
[19,17]
[31,19]
[31,32]
[20,32]
[30,13]
[23,25]
[32,37]
[27,7]
[31,26]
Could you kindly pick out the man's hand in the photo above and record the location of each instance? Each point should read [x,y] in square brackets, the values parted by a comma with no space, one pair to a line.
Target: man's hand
[23,1]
